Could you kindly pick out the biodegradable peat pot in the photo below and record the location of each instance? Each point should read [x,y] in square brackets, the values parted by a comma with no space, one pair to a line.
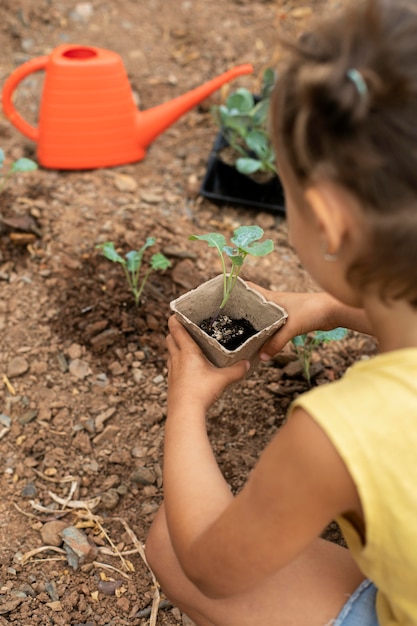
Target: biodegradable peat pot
[198,304]
[223,184]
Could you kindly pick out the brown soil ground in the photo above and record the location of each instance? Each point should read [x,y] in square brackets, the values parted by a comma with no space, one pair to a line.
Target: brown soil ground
[82,370]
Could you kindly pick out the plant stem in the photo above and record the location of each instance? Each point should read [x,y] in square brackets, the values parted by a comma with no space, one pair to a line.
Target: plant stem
[138,293]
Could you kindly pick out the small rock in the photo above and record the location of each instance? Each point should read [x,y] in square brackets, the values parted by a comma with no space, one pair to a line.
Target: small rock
[83,11]
[143,476]
[28,416]
[139,452]
[103,417]
[116,368]
[137,375]
[151,198]
[125,183]
[29,490]
[17,366]
[109,499]
[80,369]
[10,605]
[108,587]
[82,442]
[123,604]
[186,275]
[109,434]
[54,606]
[104,339]
[293,368]
[301,12]
[74,351]
[79,549]
[50,533]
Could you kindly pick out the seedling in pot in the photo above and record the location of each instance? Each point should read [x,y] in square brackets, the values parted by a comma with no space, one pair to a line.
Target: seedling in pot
[305,344]
[21,165]
[245,241]
[132,265]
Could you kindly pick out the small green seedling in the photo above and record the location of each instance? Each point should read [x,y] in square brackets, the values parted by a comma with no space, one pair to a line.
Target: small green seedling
[305,344]
[21,165]
[245,241]
[243,121]
[132,265]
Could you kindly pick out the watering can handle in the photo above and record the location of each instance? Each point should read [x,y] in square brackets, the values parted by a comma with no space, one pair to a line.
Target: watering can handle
[34,65]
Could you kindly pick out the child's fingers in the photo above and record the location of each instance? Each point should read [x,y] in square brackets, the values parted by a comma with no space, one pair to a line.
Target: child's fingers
[235,372]
[181,337]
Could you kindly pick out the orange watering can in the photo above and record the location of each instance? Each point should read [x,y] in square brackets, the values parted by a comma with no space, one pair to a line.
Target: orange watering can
[87,117]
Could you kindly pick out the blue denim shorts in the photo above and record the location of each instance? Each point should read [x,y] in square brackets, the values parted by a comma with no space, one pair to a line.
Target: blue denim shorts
[360,609]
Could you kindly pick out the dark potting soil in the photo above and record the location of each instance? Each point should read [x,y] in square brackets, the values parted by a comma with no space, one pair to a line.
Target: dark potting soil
[230,333]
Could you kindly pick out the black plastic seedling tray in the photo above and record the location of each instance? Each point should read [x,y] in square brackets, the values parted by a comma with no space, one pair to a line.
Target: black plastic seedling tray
[223,184]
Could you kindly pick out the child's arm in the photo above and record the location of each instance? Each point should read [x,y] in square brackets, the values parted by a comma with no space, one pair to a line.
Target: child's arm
[308,312]
[224,544]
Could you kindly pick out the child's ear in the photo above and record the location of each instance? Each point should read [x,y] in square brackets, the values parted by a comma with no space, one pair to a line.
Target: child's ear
[328,202]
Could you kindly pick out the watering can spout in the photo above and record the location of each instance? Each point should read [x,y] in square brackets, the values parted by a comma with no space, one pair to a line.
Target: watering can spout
[152,122]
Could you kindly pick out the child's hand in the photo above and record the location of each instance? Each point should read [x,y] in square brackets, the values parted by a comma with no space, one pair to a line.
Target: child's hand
[306,312]
[191,377]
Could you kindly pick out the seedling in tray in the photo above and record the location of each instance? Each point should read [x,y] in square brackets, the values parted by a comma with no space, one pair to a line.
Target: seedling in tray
[132,265]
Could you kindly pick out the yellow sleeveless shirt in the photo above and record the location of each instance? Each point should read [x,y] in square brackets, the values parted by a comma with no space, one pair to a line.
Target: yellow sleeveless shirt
[370,415]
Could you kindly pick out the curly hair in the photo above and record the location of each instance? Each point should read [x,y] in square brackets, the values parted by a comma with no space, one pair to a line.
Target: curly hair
[362,136]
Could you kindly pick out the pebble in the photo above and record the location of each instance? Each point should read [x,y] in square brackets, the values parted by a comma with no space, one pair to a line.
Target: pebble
[143,476]
[80,549]
[74,351]
[108,587]
[116,368]
[109,499]
[125,183]
[108,434]
[137,375]
[50,532]
[80,369]
[29,490]
[103,417]
[17,366]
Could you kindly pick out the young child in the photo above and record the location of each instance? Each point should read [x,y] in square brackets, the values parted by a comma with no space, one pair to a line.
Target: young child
[344,122]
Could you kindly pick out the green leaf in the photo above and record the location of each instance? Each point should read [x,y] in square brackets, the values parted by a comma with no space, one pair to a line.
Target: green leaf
[260,248]
[159,261]
[214,240]
[245,235]
[24,165]
[234,123]
[134,259]
[234,255]
[299,340]
[324,336]
[240,100]
[260,113]
[258,143]
[268,82]
[110,253]
[247,165]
